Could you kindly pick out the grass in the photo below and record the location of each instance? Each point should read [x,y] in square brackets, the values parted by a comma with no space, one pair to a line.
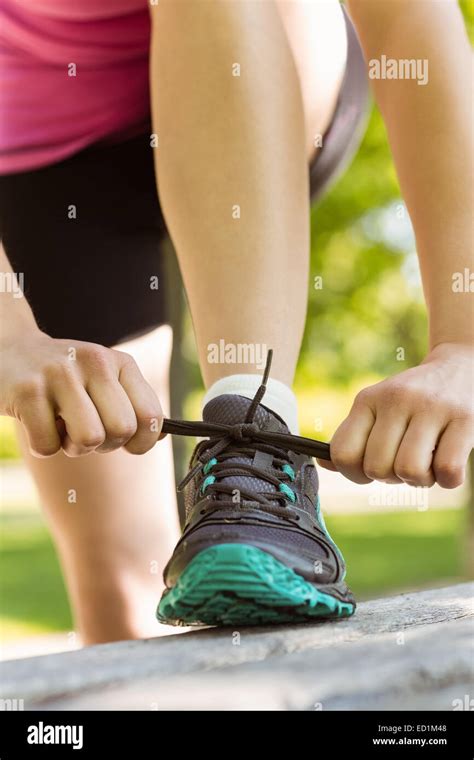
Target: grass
[400,551]
[385,553]
[33,598]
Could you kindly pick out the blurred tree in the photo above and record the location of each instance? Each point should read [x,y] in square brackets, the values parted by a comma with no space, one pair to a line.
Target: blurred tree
[368,301]
[366,312]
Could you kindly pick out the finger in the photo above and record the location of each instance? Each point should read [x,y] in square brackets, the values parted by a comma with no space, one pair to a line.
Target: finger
[328,465]
[413,463]
[39,421]
[83,429]
[146,406]
[452,453]
[382,446]
[349,442]
[115,411]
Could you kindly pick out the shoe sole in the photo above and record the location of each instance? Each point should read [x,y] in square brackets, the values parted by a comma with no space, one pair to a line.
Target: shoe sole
[232,584]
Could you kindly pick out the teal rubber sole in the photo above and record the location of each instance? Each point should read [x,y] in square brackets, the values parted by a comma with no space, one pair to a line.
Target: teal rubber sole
[230,584]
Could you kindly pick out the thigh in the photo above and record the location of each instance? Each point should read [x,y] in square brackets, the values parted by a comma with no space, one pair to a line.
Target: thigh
[85,233]
[316,32]
[334,85]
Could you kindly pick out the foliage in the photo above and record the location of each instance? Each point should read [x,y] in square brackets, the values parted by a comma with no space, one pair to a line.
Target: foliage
[9,448]
[370,304]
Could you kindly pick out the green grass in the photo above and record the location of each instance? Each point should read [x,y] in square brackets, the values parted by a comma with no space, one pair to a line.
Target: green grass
[399,551]
[385,553]
[33,598]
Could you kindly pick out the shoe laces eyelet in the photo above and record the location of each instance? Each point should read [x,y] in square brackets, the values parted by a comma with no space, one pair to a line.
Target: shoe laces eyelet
[285,489]
[208,480]
[209,465]
[288,470]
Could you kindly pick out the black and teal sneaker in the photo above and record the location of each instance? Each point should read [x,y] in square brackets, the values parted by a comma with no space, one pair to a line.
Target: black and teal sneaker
[255,549]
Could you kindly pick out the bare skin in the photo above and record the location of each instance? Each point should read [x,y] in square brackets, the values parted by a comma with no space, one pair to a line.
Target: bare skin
[234,187]
[114,541]
[254,153]
[113,517]
[118,532]
[418,427]
[71,395]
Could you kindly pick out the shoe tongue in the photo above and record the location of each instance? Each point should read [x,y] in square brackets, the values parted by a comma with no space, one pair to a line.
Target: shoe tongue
[230,409]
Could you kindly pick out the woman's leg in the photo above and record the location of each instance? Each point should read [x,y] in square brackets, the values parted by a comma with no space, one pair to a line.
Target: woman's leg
[229,94]
[238,94]
[114,519]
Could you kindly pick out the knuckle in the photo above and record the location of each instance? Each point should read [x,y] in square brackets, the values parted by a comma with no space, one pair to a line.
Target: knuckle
[121,432]
[138,447]
[45,448]
[31,389]
[363,396]
[343,457]
[97,357]
[464,418]
[393,394]
[92,439]
[375,472]
[75,452]
[427,481]
[61,370]
[449,474]
[406,471]
[126,360]
[150,419]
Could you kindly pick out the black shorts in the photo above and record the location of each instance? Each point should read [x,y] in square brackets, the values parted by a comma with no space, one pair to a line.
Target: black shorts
[86,232]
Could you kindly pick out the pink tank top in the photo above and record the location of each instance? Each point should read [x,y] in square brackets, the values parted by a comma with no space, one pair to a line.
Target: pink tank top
[72,72]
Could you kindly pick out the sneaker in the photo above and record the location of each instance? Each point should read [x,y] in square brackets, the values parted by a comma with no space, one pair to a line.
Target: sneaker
[254,549]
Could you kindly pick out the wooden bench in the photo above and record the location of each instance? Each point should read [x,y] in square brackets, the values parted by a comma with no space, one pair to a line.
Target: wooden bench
[413,651]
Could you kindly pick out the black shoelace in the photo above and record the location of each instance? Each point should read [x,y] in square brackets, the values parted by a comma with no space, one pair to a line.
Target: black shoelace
[244,439]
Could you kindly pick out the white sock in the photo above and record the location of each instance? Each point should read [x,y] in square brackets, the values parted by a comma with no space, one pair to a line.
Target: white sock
[278,396]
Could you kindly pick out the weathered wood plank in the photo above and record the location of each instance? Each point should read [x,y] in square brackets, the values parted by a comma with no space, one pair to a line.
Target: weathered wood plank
[410,651]
[431,669]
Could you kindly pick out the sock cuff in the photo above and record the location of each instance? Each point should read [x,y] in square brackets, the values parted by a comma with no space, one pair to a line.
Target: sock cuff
[278,397]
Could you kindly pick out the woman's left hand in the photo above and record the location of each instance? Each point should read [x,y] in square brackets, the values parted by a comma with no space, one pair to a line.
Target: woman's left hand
[416,427]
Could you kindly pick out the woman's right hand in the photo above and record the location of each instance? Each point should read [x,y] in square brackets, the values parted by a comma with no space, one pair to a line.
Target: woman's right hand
[77,396]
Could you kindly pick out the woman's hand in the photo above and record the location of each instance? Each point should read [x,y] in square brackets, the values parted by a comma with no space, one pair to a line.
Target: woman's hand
[77,396]
[416,427]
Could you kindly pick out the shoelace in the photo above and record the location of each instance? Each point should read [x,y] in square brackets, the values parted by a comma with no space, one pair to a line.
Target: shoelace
[229,441]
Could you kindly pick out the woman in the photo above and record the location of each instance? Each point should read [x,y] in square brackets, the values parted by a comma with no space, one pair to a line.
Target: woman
[244,96]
